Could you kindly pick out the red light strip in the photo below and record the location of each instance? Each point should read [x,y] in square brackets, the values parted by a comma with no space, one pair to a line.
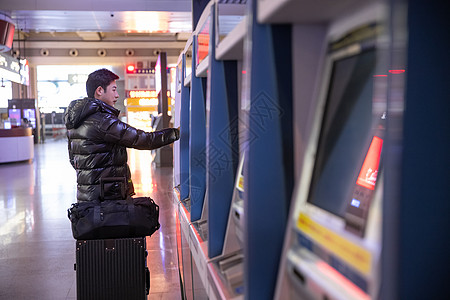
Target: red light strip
[397,71]
[349,286]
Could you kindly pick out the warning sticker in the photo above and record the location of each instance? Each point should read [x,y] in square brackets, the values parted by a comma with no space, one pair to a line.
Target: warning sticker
[356,256]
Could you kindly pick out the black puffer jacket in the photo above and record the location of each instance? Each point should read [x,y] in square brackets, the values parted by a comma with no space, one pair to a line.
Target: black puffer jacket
[97,147]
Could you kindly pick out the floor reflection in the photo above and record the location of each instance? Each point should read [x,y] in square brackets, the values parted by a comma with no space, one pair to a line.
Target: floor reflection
[140,162]
[157,183]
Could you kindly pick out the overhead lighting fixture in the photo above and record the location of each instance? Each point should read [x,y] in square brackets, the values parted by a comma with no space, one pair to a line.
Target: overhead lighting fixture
[101,52]
[73,52]
[45,52]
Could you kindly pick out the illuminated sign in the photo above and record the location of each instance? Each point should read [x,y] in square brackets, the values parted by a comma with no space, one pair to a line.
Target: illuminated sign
[131,69]
[158,75]
[203,42]
[14,69]
[148,101]
[142,94]
[77,78]
[24,72]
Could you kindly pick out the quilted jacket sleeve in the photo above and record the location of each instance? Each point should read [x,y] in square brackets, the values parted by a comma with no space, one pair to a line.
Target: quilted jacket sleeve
[116,131]
[69,147]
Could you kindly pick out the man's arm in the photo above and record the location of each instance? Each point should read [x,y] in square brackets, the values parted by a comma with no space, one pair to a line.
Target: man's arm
[116,131]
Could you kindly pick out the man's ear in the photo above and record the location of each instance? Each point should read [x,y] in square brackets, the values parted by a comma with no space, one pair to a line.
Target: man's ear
[98,91]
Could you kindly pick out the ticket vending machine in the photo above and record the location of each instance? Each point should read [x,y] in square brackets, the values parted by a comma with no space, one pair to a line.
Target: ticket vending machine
[210,258]
[335,234]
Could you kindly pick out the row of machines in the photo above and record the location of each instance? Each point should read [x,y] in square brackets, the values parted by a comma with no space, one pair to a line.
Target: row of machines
[280,172]
[207,159]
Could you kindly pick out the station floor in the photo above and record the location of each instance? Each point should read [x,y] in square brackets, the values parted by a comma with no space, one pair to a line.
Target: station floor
[37,250]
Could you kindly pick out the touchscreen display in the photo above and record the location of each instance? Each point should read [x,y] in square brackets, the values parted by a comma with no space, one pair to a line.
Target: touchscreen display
[346,132]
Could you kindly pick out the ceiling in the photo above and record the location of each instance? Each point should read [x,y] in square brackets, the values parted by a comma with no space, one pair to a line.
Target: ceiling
[98,15]
[95,24]
[35,22]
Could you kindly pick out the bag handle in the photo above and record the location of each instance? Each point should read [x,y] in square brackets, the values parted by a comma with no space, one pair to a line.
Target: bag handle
[123,185]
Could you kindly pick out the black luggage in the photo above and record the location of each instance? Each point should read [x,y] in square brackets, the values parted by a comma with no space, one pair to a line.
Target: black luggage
[112,269]
[112,217]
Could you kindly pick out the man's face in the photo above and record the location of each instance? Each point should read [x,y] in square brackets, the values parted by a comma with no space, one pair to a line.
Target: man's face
[109,96]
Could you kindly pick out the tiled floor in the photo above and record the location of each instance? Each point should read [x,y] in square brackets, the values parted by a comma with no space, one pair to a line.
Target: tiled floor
[37,250]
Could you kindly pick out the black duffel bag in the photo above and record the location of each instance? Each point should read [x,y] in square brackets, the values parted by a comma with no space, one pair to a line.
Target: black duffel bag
[134,217]
[106,219]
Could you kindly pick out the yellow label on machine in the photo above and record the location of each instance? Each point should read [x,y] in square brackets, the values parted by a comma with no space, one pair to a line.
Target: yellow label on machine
[354,255]
[240,183]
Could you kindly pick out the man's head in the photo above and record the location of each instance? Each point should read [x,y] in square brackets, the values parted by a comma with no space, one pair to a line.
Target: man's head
[101,84]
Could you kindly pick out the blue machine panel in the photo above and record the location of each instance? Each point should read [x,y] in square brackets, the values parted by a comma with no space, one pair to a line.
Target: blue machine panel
[184,136]
[222,144]
[269,184]
[197,141]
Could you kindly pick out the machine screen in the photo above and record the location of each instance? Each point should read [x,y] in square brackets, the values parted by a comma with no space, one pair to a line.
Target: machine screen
[345,133]
[361,198]
[15,116]
[30,114]
[203,42]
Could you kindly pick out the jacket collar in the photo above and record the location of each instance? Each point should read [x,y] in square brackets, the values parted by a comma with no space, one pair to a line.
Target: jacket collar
[108,108]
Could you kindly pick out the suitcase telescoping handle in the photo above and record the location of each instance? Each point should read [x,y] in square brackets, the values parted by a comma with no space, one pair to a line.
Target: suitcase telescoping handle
[119,180]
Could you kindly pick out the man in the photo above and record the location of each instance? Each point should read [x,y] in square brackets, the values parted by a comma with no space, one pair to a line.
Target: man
[98,140]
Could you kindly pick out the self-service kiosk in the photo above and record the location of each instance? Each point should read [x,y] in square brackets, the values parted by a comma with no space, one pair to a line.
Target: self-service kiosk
[333,246]
[329,66]
[338,223]
[209,70]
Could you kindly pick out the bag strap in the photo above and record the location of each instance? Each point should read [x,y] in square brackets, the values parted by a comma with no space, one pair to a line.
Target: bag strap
[132,216]
[123,186]
[71,210]
[130,200]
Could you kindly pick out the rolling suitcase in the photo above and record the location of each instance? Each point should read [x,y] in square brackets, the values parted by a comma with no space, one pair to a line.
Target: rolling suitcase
[112,269]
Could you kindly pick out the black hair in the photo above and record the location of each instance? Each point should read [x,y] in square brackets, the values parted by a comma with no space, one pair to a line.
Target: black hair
[102,77]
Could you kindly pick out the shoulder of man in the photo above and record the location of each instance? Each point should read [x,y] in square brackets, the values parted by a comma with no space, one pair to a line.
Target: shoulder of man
[79,110]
